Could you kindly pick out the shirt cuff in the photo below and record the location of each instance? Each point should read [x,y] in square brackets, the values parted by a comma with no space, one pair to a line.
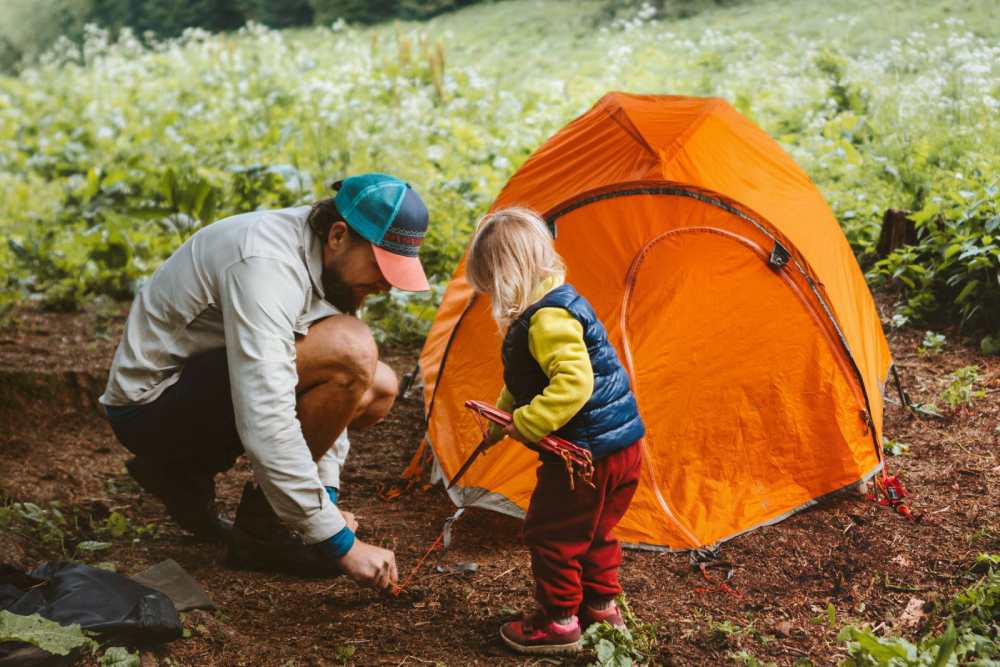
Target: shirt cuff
[526,427]
[338,545]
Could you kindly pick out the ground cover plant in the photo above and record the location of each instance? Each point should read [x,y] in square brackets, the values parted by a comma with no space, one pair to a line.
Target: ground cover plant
[963,630]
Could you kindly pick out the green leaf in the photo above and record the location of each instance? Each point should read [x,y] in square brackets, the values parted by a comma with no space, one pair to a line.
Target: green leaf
[925,214]
[116,656]
[605,651]
[947,646]
[951,250]
[116,524]
[966,291]
[884,650]
[41,632]
[91,546]
[990,344]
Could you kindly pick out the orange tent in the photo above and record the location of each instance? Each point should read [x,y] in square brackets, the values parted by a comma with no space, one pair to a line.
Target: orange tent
[733,299]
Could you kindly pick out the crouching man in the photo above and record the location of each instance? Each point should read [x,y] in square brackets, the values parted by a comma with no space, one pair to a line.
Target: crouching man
[246,340]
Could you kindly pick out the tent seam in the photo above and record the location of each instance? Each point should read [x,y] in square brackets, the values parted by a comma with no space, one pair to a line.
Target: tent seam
[668,154]
[636,135]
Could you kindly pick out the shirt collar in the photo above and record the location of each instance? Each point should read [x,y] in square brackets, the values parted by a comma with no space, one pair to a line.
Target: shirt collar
[546,286]
[312,253]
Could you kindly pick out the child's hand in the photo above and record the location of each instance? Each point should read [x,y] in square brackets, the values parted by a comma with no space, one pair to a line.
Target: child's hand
[494,434]
[511,432]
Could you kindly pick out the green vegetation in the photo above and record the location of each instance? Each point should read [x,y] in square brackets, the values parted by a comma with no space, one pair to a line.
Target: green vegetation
[961,391]
[48,526]
[964,630]
[62,640]
[28,27]
[894,447]
[41,632]
[931,345]
[117,656]
[62,534]
[112,153]
[621,647]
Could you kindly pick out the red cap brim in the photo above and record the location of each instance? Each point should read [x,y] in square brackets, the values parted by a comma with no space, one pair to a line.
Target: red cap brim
[405,273]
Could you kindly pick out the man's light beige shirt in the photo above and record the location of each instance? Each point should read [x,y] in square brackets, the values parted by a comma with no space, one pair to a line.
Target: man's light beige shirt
[248,283]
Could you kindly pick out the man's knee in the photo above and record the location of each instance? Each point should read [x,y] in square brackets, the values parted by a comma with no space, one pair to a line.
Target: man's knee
[379,399]
[386,386]
[338,349]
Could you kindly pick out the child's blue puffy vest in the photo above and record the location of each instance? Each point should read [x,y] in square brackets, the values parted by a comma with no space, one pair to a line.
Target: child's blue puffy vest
[610,420]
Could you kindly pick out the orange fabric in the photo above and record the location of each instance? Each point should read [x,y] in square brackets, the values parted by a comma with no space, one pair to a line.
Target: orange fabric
[752,405]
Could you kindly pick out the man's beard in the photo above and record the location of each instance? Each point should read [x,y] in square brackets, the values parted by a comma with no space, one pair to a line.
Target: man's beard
[339,292]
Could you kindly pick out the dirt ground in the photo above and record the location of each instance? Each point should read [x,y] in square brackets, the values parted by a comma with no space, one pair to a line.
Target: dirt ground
[863,561]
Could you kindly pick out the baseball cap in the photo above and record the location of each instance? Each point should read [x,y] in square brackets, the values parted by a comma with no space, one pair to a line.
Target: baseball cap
[391,216]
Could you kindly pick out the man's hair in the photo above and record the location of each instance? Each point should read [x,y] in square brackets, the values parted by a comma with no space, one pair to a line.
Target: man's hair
[323,214]
[510,255]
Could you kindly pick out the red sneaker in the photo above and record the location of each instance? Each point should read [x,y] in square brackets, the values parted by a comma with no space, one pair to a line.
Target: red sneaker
[611,615]
[537,635]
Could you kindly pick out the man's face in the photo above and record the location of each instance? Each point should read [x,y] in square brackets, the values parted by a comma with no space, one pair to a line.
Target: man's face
[350,272]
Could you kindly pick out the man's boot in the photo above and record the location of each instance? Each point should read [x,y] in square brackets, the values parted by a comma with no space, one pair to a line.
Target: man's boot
[189,499]
[259,540]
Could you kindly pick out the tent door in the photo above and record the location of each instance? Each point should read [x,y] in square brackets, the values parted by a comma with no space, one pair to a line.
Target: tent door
[727,286]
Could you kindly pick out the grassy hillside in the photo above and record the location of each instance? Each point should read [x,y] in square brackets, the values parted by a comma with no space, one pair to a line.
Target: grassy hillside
[111,155]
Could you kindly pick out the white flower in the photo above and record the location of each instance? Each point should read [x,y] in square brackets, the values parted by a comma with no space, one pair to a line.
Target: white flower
[435,153]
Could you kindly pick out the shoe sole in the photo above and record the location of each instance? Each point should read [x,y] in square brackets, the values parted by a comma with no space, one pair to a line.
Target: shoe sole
[542,649]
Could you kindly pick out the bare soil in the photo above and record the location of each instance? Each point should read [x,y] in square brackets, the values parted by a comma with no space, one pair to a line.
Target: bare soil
[863,560]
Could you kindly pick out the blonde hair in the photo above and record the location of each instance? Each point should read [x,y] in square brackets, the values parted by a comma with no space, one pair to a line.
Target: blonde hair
[510,255]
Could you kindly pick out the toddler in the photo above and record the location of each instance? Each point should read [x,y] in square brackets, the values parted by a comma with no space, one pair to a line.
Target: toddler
[561,377]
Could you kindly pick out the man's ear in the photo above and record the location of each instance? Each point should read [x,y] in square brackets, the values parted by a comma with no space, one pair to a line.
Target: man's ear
[337,235]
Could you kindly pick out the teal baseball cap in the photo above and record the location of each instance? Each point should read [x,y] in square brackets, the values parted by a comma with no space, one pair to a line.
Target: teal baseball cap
[391,216]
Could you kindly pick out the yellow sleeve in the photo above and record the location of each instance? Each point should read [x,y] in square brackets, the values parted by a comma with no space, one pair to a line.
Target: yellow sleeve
[504,402]
[555,340]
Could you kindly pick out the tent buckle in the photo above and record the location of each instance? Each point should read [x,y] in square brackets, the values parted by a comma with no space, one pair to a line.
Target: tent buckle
[779,256]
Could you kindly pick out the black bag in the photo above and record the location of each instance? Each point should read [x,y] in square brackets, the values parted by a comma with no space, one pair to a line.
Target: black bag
[104,602]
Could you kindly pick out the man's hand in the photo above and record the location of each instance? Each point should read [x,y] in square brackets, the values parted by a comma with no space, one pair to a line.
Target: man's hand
[370,565]
[511,432]
[352,521]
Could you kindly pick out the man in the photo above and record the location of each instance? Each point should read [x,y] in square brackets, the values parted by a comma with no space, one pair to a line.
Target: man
[246,340]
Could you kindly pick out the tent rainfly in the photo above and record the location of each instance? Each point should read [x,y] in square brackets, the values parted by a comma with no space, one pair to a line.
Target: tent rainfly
[733,299]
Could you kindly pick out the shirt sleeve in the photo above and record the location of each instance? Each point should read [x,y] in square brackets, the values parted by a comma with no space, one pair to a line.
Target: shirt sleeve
[259,298]
[555,340]
[504,402]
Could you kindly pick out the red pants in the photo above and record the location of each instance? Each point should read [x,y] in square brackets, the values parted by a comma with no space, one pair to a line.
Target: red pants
[573,555]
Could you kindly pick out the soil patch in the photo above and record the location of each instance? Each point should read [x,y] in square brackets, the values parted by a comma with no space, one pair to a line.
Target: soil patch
[846,554]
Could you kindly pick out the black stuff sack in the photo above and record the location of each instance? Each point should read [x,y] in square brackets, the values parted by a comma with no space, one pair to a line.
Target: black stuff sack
[100,601]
